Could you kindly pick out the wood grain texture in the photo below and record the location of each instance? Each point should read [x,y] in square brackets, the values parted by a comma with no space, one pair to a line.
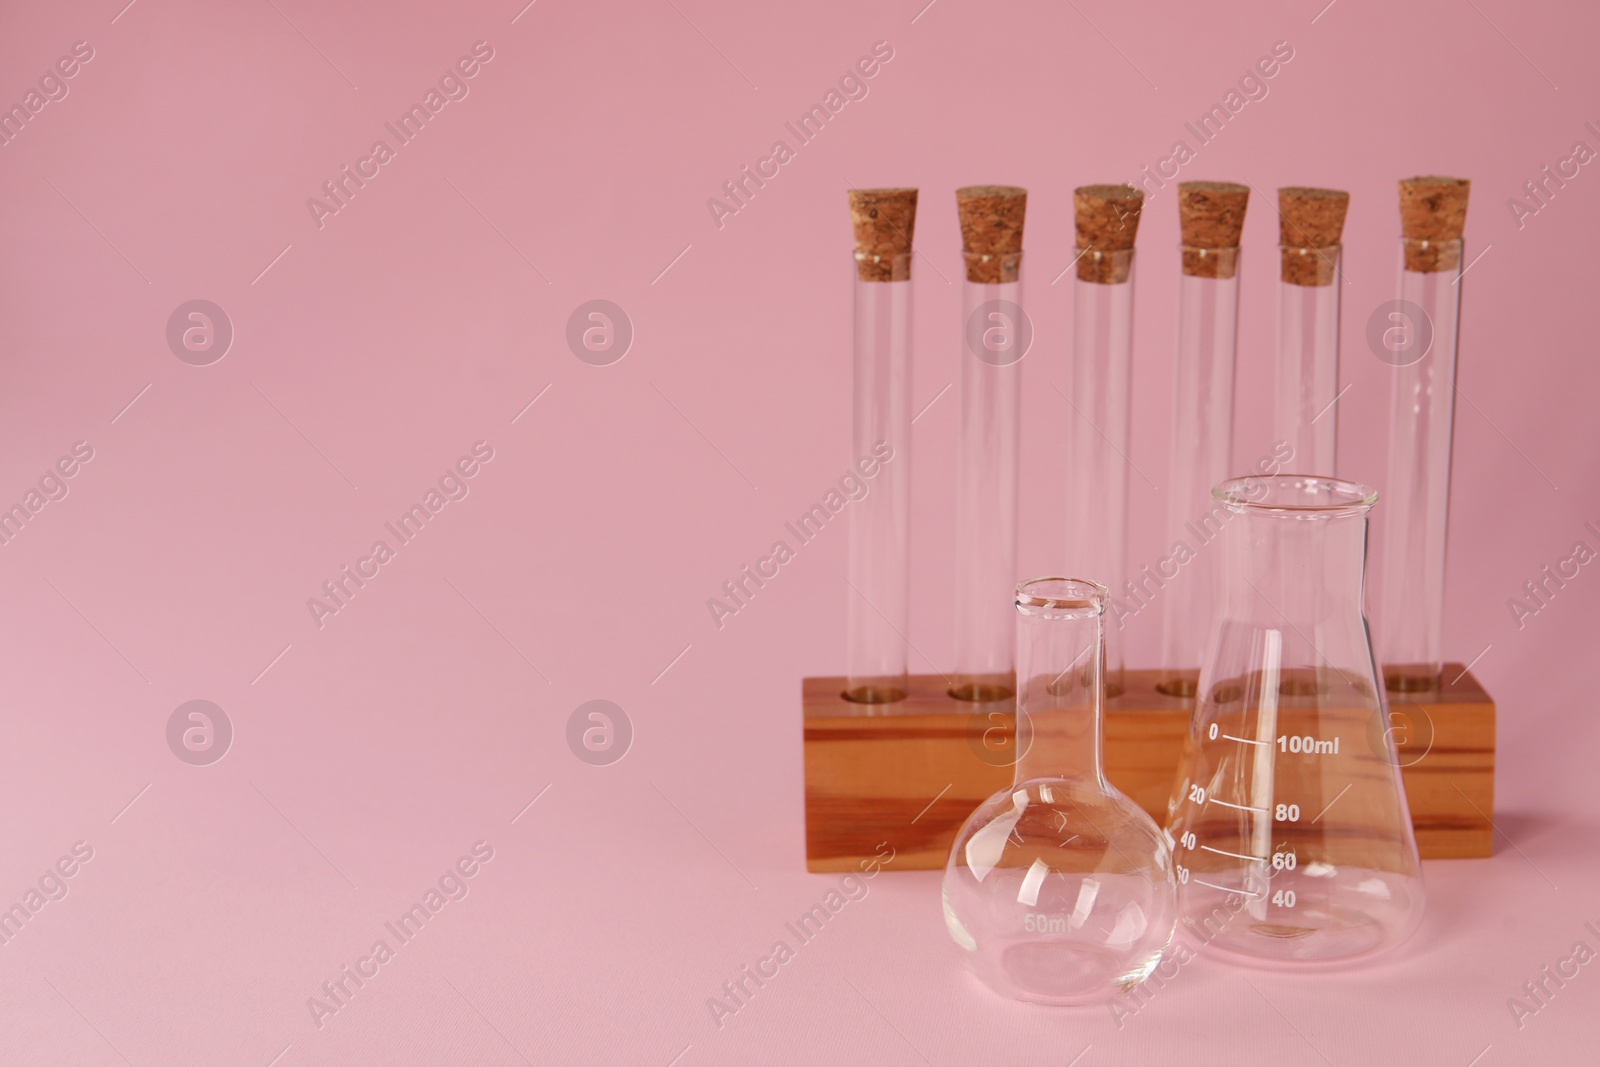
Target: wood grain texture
[908,774]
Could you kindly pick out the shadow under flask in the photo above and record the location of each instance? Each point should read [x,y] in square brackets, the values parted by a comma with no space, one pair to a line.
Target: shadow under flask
[1291,837]
[1060,889]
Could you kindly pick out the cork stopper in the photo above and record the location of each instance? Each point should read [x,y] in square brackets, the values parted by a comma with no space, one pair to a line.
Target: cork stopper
[991,231]
[884,220]
[1107,218]
[1211,218]
[1433,212]
[1310,220]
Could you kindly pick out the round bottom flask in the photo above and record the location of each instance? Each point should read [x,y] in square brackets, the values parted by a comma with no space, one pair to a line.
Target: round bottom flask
[1060,890]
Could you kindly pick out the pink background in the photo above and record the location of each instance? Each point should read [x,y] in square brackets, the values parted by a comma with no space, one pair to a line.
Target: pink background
[423,317]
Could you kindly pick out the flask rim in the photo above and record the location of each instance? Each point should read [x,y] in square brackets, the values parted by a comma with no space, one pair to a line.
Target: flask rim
[1302,495]
[1060,598]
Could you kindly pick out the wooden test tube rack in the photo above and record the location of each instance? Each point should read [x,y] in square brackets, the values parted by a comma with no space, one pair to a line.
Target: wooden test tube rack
[909,773]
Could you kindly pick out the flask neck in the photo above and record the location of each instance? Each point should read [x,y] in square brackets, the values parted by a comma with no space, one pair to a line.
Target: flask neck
[1060,680]
[1277,562]
[1063,739]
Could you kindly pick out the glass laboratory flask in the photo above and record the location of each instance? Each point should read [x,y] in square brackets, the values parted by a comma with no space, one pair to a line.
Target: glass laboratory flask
[1291,837]
[1060,889]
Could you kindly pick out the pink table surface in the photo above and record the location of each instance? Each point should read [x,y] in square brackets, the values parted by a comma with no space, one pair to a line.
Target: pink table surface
[374,346]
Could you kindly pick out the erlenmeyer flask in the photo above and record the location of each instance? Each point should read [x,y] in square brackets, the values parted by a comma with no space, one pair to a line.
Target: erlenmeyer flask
[1291,837]
[1060,889]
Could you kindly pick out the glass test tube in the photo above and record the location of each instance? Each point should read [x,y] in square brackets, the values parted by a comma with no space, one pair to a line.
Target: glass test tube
[880,438]
[880,521]
[986,489]
[1100,394]
[1202,449]
[1211,220]
[1097,450]
[1308,366]
[996,335]
[1421,341]
[1312,223]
